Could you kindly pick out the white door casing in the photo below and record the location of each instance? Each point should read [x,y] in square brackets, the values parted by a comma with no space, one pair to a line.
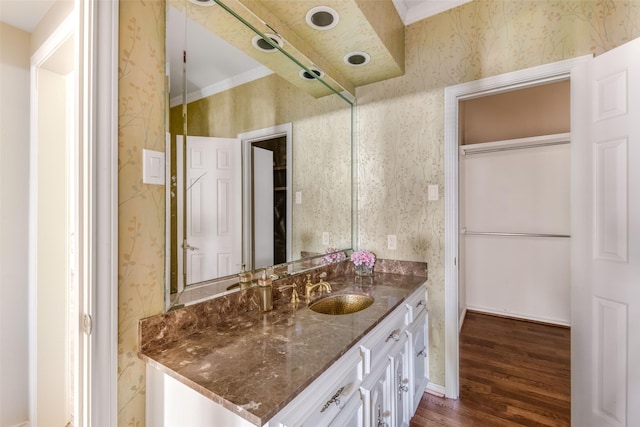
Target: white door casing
[214,206]
[606,252]
[248,138]
[453,95]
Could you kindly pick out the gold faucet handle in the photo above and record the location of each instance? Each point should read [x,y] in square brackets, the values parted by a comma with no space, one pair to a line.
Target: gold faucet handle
[294,292]
[294,296]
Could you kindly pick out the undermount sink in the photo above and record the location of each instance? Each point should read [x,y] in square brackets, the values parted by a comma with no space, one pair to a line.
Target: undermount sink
[341,303]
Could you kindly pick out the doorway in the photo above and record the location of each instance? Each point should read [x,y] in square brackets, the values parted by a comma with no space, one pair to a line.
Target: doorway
[514,175]
[549,73]
[276,143]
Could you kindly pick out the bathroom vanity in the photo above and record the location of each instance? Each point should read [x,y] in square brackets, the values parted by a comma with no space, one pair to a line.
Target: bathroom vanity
[293,366]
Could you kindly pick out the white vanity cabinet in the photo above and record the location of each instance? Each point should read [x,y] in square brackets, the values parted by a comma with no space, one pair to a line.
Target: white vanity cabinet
[377,383]
[327,398]
[418,359]
[397,376]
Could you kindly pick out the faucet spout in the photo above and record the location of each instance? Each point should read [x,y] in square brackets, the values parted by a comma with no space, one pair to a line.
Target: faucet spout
[310,288]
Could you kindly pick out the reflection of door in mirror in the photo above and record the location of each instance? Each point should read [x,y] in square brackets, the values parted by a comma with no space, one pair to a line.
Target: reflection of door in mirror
[267,196]
[270,196]
[210,229]
[262,212]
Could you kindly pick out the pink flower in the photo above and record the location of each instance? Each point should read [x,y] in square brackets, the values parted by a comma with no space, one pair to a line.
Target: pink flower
[333,256]
[363,257]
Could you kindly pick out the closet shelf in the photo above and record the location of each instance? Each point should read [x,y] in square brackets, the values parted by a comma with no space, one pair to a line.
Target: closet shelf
[501,234]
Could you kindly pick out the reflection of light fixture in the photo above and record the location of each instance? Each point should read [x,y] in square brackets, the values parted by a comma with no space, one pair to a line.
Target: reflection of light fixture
[306,75]
[261,44]
[322,18]
[357,58]
[203,2]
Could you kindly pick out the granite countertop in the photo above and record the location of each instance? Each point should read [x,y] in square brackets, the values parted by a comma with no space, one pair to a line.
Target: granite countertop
[254,363]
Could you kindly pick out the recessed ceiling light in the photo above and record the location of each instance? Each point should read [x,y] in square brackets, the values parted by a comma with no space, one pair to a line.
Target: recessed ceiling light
[261,44]
[357,58]
[203,2]
[306,75]
[322,18]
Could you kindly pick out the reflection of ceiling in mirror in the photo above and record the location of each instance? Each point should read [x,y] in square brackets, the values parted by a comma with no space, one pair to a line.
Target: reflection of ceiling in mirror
[213,65]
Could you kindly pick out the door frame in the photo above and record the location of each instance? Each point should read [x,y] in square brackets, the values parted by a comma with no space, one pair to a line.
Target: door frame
[246,139]
[547,73]
[95,24]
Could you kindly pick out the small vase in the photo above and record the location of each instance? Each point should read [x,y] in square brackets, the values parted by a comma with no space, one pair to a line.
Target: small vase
[364,270]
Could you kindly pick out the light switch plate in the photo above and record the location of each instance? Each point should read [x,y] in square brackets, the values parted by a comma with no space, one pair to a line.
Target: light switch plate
[392,242]
[326,238]
[152,167]
[433,192]
[298,197]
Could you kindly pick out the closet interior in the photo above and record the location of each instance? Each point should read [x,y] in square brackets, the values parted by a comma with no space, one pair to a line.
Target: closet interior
[514,177]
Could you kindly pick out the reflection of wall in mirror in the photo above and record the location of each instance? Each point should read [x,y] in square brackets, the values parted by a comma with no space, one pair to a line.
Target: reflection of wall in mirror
[321,150]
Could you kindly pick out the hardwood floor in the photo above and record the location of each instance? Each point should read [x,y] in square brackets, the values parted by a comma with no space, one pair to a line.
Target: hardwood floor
[512,373]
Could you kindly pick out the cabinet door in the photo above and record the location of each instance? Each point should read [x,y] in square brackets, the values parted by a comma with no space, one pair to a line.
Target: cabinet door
[399,392]
[418,359]
[375,395]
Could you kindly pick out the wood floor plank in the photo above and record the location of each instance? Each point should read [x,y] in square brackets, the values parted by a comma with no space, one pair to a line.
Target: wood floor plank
[512,373]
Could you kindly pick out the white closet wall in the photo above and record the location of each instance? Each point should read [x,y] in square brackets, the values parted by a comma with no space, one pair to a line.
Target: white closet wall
[524,190]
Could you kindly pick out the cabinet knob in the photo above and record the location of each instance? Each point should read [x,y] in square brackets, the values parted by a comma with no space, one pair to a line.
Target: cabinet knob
[381,422]
[422,352]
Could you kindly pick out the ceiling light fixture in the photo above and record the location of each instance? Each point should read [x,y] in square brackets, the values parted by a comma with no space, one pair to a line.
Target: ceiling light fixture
[357,58]
[322,18]
[261,44]
[306,75]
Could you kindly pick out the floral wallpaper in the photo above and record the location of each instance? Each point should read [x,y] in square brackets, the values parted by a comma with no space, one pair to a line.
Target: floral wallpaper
[399,133]
[141,121]
[400,130]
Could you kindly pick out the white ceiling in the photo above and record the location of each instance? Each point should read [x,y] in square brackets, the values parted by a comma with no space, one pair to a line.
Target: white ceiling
[24,14]
[411,11]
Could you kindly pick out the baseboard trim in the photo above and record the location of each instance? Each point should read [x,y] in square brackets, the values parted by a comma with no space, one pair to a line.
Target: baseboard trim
[435,389]
[461,320]
[532,319]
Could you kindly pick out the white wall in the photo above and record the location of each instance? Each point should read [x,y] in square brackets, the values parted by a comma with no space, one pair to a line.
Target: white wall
[53,280]
[518,191]
[14,197]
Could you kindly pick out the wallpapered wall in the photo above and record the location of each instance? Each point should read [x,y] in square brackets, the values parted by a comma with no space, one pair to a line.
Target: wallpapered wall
[400,136]
[141,207]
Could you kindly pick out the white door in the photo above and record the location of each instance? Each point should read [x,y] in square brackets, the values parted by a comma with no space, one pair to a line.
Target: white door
[262,207]
[213,208]
[605,249]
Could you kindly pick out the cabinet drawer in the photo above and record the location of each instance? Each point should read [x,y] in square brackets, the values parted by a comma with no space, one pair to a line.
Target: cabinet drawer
[324,400]
[380,341]
[416,304]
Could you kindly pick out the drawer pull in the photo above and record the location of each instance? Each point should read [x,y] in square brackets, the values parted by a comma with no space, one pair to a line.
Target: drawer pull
[380,422]
[421,302]
[422,352]
[395,335]
[402,386]
[334,399]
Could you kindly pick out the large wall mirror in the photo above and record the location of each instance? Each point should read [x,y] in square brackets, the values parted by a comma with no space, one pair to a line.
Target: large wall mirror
[264,174]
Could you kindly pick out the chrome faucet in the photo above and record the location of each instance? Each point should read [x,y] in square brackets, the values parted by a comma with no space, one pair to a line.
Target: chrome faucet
[309,288]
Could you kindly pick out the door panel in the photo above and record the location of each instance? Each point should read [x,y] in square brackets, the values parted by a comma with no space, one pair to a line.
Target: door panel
[214,208]
[262,207]
[606,247]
